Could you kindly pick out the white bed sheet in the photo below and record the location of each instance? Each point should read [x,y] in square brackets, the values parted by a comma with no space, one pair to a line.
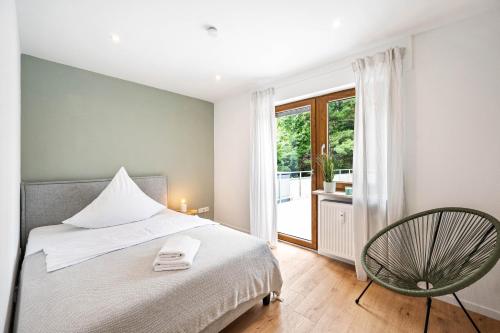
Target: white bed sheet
[66,245]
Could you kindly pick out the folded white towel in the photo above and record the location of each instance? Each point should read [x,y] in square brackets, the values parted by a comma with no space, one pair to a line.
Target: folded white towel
[177,247]
[178,252]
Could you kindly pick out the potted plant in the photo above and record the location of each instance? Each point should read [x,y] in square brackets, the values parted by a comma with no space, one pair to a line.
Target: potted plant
[325,163]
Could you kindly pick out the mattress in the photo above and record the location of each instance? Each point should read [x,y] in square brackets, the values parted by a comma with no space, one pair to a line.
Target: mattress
[119,291]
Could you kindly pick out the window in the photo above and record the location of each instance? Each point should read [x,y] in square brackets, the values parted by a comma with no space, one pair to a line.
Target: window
[341,136]
[336,133]
[294,140]
[305,129]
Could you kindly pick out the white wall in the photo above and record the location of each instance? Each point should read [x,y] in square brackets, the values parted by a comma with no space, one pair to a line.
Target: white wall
[231,162]
[452,140]
[9,154]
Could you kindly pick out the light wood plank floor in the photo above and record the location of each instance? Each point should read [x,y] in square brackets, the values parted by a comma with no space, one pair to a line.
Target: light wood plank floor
[319,296]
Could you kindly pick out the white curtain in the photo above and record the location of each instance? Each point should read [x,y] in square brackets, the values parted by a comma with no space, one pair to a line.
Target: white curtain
[263,167]
[378,190]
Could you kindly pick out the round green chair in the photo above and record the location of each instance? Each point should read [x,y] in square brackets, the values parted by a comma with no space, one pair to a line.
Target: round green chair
[433,253]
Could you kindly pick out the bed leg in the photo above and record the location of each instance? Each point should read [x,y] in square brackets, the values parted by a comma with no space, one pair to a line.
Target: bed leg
[266,300]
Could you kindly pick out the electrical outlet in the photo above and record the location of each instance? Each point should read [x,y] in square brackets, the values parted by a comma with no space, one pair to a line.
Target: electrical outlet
[203,210]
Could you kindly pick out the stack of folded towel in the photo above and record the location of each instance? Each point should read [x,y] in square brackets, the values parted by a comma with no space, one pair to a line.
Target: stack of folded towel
[178,252]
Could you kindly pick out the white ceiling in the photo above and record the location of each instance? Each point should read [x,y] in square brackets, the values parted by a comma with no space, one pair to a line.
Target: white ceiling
[163,42]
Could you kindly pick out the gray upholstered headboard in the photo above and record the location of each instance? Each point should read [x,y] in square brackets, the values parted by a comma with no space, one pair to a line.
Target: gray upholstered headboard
[47,203]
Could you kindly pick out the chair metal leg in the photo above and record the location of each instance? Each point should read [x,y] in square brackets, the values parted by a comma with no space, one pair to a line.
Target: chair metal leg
[467,314]
[429,302]
[363,292]
[368,286]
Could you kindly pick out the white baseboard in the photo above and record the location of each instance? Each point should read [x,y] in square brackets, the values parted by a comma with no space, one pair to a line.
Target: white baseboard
[485,311]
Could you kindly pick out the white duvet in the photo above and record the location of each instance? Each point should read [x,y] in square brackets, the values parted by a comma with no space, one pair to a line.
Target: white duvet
[66,245]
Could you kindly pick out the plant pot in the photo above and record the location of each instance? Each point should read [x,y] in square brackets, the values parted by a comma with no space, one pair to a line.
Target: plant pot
[329,187]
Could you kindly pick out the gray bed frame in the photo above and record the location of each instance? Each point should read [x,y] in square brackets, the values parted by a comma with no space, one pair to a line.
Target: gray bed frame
[49,203]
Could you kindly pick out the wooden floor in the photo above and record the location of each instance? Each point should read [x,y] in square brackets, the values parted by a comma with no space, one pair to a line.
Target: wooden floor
[319,296]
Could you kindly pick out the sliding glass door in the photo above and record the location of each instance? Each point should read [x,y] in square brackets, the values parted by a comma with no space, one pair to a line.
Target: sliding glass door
[305,129]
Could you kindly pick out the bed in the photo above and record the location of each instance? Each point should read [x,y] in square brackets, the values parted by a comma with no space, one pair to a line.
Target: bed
[119,291]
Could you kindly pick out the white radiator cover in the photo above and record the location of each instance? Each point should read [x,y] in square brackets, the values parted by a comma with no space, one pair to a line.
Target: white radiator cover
[335,234]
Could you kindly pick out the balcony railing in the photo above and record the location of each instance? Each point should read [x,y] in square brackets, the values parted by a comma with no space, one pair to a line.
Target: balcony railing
[343,175]
[294,185]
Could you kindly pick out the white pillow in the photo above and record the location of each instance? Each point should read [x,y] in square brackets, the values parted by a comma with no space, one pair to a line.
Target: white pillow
[122,201]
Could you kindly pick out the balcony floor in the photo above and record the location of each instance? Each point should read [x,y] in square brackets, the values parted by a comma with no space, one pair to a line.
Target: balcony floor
[294,217]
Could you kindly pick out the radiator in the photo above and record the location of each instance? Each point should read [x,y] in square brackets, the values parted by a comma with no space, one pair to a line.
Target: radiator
[336,238]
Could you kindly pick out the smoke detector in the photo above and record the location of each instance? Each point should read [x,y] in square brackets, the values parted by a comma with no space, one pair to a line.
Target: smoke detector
[212,31]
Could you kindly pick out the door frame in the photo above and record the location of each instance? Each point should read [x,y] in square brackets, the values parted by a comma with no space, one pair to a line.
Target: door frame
[319,137]
[313,244]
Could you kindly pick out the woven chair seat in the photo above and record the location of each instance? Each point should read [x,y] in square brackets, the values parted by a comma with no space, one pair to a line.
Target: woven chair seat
[433,253]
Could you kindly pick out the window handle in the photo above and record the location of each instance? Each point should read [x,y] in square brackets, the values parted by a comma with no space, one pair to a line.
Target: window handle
[322,149]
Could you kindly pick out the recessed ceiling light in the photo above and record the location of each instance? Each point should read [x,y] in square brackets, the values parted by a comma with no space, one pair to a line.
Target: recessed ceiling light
[336,23]
[115,38]
[218,77]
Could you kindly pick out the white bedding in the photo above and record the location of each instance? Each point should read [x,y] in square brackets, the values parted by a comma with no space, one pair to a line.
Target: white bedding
[66,245]
[120,293]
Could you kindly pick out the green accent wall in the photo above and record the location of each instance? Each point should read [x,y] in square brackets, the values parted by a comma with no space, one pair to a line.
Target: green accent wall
[77,124]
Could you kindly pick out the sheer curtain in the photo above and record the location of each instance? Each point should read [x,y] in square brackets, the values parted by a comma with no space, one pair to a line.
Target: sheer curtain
[378,190]
[263,167]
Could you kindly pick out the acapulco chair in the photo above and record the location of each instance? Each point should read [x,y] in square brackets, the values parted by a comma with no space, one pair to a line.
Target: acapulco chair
[433,253]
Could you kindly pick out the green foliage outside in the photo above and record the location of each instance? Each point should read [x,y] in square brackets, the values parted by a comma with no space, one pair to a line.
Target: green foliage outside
[294,137]
[294,142]
[341,132]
